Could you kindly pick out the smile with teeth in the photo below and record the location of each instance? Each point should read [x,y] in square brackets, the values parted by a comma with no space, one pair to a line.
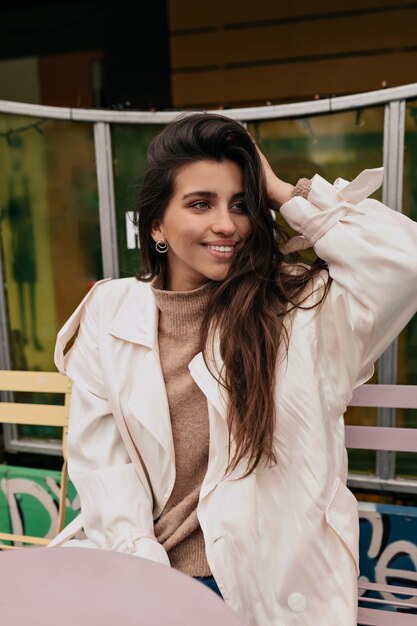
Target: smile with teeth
[219,248]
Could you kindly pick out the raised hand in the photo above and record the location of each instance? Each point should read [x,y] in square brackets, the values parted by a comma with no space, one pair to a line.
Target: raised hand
[278,190]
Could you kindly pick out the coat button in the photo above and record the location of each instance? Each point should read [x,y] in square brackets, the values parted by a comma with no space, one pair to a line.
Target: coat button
[297,602]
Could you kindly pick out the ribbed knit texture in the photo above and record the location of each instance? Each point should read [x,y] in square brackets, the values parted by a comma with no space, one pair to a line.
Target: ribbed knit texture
[177,528]
[302,188]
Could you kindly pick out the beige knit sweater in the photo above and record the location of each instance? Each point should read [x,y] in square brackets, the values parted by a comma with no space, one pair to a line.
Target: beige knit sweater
[177,528]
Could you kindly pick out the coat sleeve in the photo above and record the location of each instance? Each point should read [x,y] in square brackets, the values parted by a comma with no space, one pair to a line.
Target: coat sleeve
[371,252]
[115,507]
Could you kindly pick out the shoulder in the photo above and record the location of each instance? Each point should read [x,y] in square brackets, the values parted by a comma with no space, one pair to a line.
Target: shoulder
[117,303]
[110,293]
[108,301]
[123,308]
[117,285]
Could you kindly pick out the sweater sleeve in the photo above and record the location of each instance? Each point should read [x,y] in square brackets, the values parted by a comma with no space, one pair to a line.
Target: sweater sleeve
[115,507]
[371,252]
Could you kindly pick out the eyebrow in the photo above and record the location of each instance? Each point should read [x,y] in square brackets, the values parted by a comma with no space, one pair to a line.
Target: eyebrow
[211,194]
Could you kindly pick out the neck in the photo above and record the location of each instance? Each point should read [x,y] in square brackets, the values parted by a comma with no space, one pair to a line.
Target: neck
[181,312]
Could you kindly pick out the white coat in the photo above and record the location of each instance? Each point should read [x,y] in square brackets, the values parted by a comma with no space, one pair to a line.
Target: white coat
[282,543]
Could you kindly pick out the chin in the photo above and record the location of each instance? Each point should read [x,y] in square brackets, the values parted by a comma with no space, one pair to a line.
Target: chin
[217,276]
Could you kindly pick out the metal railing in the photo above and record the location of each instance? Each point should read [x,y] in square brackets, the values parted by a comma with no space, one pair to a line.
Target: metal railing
[394,101]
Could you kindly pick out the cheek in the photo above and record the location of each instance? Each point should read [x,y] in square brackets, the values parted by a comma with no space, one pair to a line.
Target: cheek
[183,234]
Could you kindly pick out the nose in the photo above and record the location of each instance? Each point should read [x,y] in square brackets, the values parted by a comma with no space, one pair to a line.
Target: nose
[223,222]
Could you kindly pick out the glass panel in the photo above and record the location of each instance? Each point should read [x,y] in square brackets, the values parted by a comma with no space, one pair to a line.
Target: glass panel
[340,144]
[50,235]
[406,465]
[130,145]
[407,344]
[362,461]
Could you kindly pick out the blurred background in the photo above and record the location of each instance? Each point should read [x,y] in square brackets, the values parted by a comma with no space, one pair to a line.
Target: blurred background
[183,53]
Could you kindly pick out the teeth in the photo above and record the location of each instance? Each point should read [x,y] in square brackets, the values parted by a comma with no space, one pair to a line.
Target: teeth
[221,248]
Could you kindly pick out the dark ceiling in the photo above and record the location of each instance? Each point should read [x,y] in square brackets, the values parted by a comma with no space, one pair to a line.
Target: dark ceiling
[28,29]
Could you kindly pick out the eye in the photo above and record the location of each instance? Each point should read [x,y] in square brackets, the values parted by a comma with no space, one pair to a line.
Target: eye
[239,207]
[200,204]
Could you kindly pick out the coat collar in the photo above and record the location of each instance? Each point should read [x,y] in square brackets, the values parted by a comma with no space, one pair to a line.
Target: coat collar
[137,322]
[137,319]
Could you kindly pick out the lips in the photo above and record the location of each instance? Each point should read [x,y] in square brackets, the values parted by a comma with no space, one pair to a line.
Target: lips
[222,251]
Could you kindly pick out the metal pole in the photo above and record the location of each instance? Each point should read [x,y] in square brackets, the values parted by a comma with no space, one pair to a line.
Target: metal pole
[9,430]
[394,129]
[107,207]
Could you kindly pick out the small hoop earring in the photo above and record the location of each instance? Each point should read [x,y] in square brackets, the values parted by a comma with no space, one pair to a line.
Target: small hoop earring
[161,246]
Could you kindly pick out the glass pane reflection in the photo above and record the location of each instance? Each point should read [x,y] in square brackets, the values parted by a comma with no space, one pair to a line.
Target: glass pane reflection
[340,144]
[50,235]
[130,144]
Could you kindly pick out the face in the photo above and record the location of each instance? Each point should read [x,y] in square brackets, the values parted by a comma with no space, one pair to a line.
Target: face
[203,222]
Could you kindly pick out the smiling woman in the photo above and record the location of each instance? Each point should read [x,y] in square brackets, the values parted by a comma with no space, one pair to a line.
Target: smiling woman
[203,228]
[205,189]
[206,428]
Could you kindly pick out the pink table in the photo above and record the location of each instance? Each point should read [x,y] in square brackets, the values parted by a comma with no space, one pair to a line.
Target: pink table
[83,587]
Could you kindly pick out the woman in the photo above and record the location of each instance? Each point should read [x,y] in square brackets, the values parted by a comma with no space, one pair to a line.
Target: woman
[206,426]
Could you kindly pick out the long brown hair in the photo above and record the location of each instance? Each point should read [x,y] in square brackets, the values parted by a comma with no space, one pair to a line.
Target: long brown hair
[247,309]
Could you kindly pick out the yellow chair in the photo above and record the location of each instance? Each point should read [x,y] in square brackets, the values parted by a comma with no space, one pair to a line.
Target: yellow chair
[37,415]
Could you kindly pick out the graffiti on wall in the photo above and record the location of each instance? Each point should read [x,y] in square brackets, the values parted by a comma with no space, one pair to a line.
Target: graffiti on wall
[29,502]
[388,546]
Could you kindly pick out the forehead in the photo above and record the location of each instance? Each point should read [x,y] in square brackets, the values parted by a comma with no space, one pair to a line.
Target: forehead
[209,176]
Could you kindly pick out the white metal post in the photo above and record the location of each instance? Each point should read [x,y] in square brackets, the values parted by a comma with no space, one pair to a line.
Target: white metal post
[107,205]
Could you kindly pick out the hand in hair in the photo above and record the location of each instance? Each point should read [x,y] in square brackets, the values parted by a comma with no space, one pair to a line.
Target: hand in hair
[278,190]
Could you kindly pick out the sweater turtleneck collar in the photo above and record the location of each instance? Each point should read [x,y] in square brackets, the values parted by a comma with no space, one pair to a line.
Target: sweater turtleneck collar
[181,312]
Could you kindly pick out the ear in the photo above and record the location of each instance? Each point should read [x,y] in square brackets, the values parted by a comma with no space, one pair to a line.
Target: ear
[156,232]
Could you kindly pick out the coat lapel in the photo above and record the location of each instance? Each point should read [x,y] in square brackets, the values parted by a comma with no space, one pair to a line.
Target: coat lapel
[137,322]
[137,318]
[149,403]
[206,376]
